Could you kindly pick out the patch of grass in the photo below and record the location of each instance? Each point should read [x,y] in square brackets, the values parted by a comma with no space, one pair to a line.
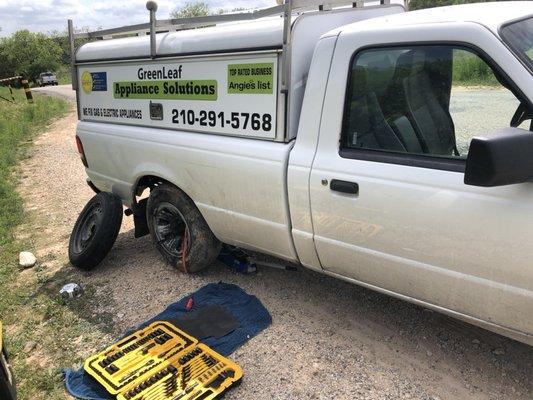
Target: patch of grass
[470,70]
[63,75]
[19,123]
[43,332]
[52,333]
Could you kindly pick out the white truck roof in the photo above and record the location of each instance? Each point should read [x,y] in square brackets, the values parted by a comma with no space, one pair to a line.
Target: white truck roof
[264,33]
[491,15]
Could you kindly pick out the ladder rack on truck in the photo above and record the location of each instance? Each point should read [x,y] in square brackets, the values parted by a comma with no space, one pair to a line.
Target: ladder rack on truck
[166,25]
[284,38]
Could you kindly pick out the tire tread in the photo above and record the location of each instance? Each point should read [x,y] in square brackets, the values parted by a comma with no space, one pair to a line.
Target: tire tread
[204,246]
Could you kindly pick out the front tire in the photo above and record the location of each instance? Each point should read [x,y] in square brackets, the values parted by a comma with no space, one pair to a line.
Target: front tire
[95,230]
[179,231]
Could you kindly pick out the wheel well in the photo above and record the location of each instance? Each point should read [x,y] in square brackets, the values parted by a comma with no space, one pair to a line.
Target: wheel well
[139,208]
[139,203]
[145,182]
[151,181]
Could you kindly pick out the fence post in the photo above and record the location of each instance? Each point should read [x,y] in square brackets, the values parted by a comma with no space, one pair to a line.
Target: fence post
[27,90]
[11,92]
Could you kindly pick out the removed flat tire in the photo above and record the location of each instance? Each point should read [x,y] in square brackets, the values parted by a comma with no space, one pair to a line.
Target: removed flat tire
[95,230]
[176,226]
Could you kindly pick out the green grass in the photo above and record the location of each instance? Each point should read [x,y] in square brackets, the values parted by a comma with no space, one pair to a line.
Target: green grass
[470,70]
[19,123]
[63,75]
[43,333]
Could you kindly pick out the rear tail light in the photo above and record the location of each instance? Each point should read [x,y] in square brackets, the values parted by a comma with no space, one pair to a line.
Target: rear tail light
[79,144]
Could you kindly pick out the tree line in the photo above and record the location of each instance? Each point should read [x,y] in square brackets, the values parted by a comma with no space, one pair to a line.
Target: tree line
[421,4]
[28,53]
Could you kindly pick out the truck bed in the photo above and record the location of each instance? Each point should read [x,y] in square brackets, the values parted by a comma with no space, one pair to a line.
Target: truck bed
[239,185]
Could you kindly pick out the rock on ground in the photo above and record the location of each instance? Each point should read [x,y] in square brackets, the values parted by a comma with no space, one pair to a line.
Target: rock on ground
[27,259]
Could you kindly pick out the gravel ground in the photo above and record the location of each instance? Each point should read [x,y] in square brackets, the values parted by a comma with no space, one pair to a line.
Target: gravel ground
[62,91]
[479,111]
[329,339]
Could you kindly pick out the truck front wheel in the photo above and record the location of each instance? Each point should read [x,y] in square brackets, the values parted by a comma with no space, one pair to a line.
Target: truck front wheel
[179,231]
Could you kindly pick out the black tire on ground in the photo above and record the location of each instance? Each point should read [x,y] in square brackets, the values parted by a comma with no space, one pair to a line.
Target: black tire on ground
[95,230]
[171,215]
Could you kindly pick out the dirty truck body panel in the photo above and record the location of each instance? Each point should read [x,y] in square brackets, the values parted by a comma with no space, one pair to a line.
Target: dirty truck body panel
[235,206]
[303,190]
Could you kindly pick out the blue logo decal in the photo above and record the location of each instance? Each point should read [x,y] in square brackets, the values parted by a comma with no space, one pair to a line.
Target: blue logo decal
[99,81]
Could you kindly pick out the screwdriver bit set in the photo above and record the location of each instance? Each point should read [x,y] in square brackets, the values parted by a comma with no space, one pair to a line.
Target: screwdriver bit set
[161,362]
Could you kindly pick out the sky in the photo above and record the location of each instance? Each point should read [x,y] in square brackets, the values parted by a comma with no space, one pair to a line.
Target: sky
[52,15]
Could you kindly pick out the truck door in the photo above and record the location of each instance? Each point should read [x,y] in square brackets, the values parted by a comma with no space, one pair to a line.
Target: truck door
[389,206]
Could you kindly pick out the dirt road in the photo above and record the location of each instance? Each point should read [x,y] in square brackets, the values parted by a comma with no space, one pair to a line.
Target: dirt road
[62,91]
[329,339]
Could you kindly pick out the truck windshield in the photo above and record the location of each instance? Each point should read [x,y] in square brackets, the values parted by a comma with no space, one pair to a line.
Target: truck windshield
[519,36]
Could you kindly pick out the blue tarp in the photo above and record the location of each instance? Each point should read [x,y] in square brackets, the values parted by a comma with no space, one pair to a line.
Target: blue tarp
[253,317]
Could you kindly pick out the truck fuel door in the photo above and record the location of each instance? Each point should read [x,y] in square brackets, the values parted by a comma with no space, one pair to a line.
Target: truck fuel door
[156,111]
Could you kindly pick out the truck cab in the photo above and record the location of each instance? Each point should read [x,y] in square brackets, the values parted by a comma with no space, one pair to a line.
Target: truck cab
[385,161]
[390,208]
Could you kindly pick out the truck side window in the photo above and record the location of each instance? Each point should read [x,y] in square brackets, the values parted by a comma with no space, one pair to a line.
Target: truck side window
[427,100]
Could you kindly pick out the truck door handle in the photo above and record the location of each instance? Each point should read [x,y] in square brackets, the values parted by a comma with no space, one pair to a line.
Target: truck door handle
[344,187]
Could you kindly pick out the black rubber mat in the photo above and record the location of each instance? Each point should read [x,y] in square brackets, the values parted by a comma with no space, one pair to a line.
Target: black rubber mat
[209,321]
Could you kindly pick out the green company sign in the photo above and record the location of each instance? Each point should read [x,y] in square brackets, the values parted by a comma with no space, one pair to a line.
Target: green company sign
[172,90]
[257,78]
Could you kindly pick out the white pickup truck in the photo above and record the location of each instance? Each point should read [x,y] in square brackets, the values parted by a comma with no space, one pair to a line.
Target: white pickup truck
[357,142]
[46,79]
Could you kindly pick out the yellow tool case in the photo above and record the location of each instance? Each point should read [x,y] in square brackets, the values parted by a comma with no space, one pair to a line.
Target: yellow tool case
[161,362]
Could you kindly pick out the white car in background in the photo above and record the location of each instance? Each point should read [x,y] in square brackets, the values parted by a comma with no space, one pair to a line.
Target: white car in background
[47,79]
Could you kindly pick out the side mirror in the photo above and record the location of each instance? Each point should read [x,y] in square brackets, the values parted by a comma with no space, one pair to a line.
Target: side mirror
[504,158]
